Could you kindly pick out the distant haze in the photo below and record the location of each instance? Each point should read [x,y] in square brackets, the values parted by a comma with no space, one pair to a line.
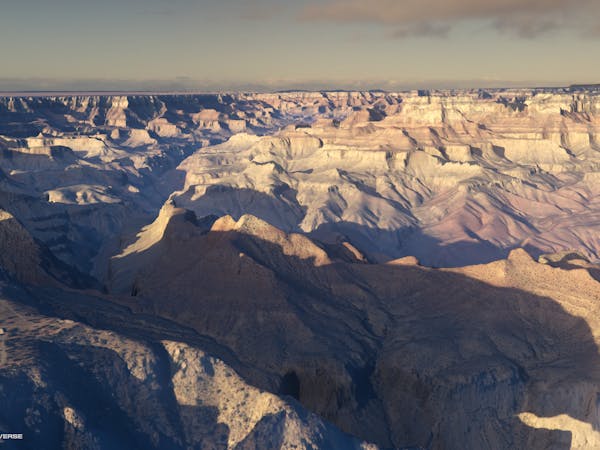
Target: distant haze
[267,45]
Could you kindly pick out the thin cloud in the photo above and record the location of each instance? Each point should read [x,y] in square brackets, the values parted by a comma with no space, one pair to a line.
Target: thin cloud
[422,30]
[529,28]
[525,18]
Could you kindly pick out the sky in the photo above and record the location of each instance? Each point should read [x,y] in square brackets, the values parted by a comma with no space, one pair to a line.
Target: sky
[263,45]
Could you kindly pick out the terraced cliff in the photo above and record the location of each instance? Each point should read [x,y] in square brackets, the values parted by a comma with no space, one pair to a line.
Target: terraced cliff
[301,270]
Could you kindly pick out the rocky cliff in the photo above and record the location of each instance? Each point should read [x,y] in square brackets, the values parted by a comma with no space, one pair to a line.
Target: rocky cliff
[301,270]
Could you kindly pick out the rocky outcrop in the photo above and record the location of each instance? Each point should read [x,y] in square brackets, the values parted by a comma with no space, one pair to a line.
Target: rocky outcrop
[398,354]
[264,267]
[436,175]
[67,385]
[423,173]
[29,261]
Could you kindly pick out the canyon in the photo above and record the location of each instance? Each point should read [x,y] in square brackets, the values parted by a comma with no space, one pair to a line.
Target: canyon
[301,270]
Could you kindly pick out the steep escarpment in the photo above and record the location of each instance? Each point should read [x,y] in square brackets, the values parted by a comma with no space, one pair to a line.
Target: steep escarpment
[29,261]
[434,176]
[68,385]
[452,178]
[399,354]
[236,271]
[82,173]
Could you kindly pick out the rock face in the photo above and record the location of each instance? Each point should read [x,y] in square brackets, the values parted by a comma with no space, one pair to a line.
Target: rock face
[67,385]
[466,350]
[301,270]
[452,179]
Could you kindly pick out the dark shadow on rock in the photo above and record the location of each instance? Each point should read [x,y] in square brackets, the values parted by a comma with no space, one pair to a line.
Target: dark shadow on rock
[385,245]
[397,355]
[290,385]
[118,410]
[282,210]
[17,403]
[565,263]
[267,433]
[100,313]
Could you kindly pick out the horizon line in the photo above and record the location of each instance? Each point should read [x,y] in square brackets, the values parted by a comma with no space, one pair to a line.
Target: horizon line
[175,92]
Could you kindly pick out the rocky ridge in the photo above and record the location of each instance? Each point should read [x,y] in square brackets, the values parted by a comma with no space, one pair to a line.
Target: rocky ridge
[482,345]
[257,270]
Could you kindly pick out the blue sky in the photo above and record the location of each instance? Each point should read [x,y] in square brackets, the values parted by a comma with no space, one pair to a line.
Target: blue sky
[268,44]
